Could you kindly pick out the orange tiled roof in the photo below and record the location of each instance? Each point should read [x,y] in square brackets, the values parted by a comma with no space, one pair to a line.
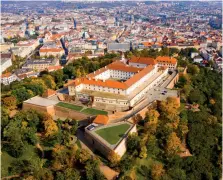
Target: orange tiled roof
[6,75]
[143,60]
[147,44]
[69,82]
[53,68]
[114,84]
[166,59]
[106,83]
[101,119]
[139,75]
[117,65]
[56,36]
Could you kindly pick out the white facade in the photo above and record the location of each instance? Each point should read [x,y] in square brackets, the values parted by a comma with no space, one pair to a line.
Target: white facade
[5,63]
[198,59]
[7,80]
[193,54]
[116,75]
[22,51]
[171,66]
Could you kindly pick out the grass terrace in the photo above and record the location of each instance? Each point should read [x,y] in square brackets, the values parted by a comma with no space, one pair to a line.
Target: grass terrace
[89,111]
[114,133]
[94,111]
[70,106]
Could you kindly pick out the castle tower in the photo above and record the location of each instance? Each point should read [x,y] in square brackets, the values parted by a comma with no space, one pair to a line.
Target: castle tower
[123,60]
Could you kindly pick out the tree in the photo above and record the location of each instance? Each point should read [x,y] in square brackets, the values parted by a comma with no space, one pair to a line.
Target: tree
[58,76]
[49,125]
[152,116]
[19,166]
[169,113]
[173,144]
[133,142]
[13,136]
[92,170]
[69,70]
[72,174]
[196,96]
[74,126]
[4,118]
[157,171]
[126,163]
[84,156]
[137,118]
[186,89]
[193,69]
[78,73]
[114,158]
[182,81]
[9,102]
[49,81]
[152,145]
[21,94]
[177,173]
[60,176]
[143,152]
[151,120]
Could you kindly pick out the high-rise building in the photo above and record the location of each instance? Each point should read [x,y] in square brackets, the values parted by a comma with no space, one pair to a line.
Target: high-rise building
[132,19]
[2,39]
[75,24]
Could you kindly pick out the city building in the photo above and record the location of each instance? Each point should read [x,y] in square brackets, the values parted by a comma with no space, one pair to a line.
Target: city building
[118,47]
[6,61]
[197,59]
[51,51]
[41,64]
[7,78]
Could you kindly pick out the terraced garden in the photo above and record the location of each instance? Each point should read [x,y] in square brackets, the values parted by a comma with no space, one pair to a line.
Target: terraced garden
[90,111]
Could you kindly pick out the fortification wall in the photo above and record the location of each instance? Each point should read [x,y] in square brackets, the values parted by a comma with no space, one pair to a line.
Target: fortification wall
[67,113]
[49,109]
[173,82]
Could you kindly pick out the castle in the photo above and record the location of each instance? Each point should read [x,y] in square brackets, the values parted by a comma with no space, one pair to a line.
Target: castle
[122,84]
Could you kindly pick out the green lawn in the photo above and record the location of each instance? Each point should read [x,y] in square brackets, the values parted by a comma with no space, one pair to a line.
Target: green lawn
[94,111]
[114,133]
[70,106]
